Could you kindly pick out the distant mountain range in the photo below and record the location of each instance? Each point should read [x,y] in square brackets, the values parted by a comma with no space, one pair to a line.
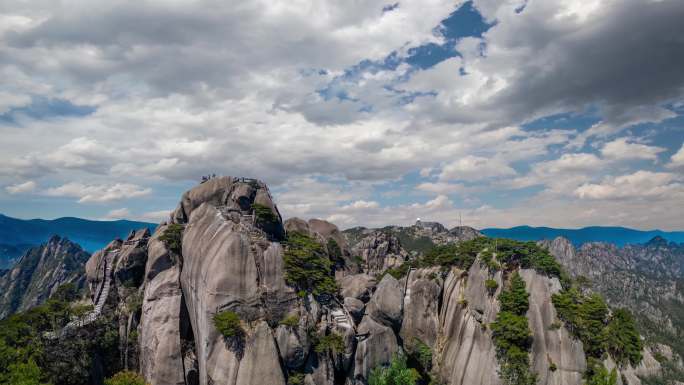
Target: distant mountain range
[18,235]
[619,236]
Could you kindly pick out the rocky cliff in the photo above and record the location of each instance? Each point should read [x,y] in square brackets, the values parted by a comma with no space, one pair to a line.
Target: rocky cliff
[646,278]
[39,272]
[226,293]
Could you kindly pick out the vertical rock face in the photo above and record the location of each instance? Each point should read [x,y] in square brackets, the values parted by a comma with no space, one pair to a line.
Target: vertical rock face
[161,360]
[551,344]
[421,307]
[465,353]
[39,272]
[230,264]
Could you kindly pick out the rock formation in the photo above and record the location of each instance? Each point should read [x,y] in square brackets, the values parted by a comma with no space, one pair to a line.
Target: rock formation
[225,250]
[39,272]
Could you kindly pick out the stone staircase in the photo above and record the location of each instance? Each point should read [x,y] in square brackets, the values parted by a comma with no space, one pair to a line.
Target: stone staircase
[103,293]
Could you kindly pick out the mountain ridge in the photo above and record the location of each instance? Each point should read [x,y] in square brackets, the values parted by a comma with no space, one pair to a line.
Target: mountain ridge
[618,235]
[19,235]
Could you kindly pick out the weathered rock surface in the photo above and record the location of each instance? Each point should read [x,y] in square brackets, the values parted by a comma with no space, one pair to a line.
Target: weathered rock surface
[161,356]
[551,345]
[465,353]
[380,251]
[359,286]
[387,303]
[421,308]
[38,274]
[649,272]
[376,349]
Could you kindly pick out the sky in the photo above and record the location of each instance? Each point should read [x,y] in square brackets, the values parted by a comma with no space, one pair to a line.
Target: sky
[541,112]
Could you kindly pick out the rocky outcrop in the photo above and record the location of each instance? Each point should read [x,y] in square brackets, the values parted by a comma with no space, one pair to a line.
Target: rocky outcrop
[464,351]
[421,308]
[387,304]
[161,356]
[230,264]
[232,259]
[38,274]
[649,272]
[551,344]
[380,250]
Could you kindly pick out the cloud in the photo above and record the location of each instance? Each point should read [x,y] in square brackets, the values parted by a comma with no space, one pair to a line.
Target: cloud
[641,184]
[677,160]
[21,188]
[98,193]
[475,167]
[121,213]
[320,101]
[621,149]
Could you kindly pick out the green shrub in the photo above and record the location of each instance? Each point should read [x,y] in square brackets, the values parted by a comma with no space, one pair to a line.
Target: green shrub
[290,321]
[125,378]
[512,335]
[228,323]
[81,310]
[295,378]
[397,272]
[491,285]
[263,214]
[307,267]
[397,373]
[585,317]
[332,341]
[423,354]
[555,325]
[67,292]
[173,237]
[515,298]
[553,367]
[597,374]
[622,337]
[511,330]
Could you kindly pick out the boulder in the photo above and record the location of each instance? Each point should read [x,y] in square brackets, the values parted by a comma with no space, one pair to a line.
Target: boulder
[386,304]
[359,286]
[355,307]
[376,349]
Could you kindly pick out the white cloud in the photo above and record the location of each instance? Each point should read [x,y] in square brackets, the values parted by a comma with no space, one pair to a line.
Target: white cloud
[677,160]
[360,205]
[98,193]
[474,168]
[621,148]
[641,184]
[121,213]
[21,188]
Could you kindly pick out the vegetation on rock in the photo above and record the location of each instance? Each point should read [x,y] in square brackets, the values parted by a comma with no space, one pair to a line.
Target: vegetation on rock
[263,213]
[228,323]
[491,285]
[397,373]
[332,341]
[512,335]
[28,358]
[307,266]
[588,318]
[172,237]
[125,377]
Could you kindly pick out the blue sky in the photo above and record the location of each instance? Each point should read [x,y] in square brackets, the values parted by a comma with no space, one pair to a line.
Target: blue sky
[554,113]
